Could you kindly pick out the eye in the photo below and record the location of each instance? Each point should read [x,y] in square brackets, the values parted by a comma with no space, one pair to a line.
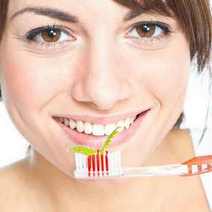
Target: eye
[149,35]
[49,35]
[148,30]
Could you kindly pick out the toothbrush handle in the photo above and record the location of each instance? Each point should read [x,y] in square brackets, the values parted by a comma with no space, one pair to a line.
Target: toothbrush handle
[195,166]
[162,170]
[199,165]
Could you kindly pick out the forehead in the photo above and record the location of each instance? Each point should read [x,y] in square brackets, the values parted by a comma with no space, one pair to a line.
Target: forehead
[94,5]
[89,11]
[73,5]
[84,9]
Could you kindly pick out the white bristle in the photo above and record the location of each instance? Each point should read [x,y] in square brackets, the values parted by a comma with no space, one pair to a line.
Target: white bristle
[110,163]
[194,168]
[77,160]
[84,161]
[114,163]
[81,161]
[119,161]
[204,166]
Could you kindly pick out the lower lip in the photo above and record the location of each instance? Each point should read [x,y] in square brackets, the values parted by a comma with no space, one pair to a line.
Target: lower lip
[96,141]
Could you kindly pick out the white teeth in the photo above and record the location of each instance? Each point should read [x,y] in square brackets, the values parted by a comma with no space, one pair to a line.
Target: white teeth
[88,128]
[120,124]
[72,124]
[128,122]
[109,128]
[98,129]
[66,122]
[80,126]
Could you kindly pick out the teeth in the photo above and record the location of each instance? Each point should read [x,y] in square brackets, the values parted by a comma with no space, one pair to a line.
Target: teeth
[66,122]
[121,124]
[109,128]
[72,124]
[97,129]
[88,128]
[80,126]
[128,122]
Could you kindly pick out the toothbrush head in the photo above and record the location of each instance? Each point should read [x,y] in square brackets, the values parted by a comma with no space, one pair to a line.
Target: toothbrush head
[99,165]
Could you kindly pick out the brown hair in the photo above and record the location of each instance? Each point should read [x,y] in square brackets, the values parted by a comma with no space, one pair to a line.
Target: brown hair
[194,17]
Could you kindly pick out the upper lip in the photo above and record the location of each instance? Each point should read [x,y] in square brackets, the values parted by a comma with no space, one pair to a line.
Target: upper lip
[103,120]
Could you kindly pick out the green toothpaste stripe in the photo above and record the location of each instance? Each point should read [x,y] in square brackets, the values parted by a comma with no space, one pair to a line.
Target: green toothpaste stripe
[89,151]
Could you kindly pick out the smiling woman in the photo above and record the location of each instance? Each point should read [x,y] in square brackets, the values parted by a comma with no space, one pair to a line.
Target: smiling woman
[71,72]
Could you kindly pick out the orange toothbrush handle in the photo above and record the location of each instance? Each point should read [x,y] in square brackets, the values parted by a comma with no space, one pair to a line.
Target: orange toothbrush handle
[199,165]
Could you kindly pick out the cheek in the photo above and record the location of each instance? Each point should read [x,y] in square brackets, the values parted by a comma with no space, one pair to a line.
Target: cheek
[32,81]
[171,71]
[22,83]
[162,74]
[169,80]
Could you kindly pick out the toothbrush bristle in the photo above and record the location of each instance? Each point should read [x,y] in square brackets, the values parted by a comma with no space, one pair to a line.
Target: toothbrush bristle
[98,165]
[94,165]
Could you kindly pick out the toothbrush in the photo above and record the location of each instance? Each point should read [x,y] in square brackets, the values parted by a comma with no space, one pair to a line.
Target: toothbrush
[108,165]
[104,164]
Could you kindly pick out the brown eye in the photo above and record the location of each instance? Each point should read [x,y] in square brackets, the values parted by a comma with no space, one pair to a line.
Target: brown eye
[51,35]
[149,30]
[149,35]
[146,30]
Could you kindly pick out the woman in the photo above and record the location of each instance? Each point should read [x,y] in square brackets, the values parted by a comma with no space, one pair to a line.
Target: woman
[100,62]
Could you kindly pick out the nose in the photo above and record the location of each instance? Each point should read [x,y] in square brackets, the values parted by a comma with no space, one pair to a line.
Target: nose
[102,83]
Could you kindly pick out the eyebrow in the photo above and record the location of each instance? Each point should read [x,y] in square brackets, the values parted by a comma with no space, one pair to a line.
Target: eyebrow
[50,12]
[134,13]
[64,16]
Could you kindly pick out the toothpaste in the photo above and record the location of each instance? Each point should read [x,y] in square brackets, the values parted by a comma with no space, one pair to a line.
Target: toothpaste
[89,151]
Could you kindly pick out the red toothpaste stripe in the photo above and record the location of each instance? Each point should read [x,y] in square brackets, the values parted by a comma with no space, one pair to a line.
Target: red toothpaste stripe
[89,165]
[102,162]
[98,162]
[93,162]
[106,161]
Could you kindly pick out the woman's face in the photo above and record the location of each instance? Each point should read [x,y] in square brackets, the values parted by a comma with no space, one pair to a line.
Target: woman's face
[94,62]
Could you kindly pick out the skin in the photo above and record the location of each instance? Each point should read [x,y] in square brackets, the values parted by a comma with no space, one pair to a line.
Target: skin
[102,72]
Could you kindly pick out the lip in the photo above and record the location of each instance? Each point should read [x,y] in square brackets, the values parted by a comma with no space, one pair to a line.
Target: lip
[103,119]
[96,141]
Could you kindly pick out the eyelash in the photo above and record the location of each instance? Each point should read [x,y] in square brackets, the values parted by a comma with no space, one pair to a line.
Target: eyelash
[32,35]
[163,26]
